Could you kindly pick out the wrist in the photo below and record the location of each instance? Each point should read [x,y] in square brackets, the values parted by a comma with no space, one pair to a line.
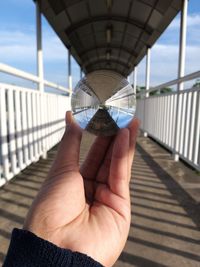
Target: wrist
[27,249]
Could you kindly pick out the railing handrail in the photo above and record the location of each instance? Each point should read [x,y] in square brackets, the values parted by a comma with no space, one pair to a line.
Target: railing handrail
[186,78]
[23,88]
[28,76]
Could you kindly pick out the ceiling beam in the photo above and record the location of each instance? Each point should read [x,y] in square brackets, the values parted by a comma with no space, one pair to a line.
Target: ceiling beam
[127,50]
[107,62]
[91,68]
[90,20]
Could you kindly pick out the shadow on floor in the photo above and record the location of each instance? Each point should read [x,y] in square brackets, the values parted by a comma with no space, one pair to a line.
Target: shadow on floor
[183,198]
[134,260]
[165,219]
[17,196]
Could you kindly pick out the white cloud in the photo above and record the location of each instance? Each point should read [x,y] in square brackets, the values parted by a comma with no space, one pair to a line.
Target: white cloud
[192,20]
[18,49]
[164,56]
[164,63]
[171,35]
[21,46]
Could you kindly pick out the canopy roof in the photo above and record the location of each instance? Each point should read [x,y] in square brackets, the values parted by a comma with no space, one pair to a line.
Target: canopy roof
[109,34]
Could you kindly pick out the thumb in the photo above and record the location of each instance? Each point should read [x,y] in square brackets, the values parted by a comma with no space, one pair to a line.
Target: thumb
[67,158]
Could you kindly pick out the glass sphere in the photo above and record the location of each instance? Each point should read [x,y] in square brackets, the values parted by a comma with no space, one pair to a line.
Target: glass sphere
[103,102]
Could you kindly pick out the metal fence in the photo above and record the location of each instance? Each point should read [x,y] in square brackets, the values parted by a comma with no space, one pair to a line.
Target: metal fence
[32,122]
[174,120]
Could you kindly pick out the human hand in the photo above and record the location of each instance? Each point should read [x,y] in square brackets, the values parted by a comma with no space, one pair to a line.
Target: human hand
[87,209]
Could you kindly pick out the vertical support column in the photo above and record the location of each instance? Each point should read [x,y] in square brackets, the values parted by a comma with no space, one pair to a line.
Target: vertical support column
[135,81]
[147,84]
[181,73]
[81,73]
[148,69]
[40,70]
[69,72]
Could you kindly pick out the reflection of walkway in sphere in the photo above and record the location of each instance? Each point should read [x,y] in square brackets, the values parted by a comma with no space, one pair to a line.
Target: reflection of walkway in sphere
[102,123]
[103,102]
[103,120]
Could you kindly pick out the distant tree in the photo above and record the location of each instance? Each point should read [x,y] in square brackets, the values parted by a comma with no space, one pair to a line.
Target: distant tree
[139,89]
[162,91]
[197,83]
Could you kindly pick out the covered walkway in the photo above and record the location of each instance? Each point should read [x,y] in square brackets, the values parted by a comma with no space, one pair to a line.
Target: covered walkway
[165,193]
[165,198]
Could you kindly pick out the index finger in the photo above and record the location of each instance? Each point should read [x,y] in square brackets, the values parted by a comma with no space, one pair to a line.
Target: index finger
[95,157]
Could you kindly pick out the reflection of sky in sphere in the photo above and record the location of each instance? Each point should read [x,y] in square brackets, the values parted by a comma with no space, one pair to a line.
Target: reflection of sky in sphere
[84,117]
[103,102]
[120,116]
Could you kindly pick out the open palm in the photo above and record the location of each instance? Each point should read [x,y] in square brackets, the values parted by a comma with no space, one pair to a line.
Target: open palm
[87,209]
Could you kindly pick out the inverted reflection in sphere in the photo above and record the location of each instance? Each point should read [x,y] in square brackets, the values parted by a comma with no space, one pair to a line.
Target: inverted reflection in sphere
[103,102]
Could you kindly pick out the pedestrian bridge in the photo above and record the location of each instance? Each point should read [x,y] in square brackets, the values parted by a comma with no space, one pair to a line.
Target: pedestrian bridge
[165,185]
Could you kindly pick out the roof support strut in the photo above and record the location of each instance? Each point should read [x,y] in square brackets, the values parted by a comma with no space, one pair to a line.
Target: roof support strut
[135,80]
[181,73]
[40,67]
[148,69]
[147,86]
[69,71]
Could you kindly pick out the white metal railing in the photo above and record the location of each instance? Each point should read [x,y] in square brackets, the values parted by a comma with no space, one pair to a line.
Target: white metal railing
[186,78]
[27,76]
[31,123]
[158,115]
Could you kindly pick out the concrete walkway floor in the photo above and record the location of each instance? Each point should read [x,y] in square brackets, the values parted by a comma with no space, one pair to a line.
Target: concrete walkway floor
[165,196]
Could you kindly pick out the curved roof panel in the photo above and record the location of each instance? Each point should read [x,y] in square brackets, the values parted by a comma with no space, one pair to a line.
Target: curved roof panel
[109,34]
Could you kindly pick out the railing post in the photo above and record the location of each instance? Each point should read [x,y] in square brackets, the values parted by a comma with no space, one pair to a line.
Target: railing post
[3,134]
[147,84]
[181,73]
[40,70]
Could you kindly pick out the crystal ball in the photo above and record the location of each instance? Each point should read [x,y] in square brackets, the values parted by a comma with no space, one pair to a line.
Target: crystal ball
[103,102]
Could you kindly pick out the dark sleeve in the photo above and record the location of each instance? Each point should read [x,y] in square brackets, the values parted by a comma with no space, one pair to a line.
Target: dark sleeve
[28,250]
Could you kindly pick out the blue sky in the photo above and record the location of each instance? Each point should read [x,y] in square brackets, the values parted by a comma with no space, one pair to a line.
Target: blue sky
[18,45]
[164,54]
